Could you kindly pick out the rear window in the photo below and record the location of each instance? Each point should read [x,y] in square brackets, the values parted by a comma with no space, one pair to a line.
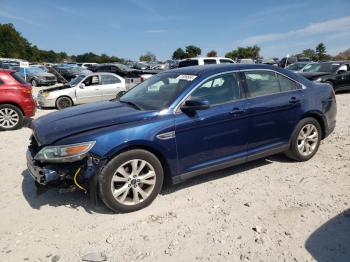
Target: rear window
[225,61]
[209,61]
[18,77]
[188,63]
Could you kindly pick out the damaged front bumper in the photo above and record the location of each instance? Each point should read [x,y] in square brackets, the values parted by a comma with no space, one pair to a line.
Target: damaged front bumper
[67,177]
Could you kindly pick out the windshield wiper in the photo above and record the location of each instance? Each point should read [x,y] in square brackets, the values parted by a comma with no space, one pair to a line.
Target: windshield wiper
[131,104]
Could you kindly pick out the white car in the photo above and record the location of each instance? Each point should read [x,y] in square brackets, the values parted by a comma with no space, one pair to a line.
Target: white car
[83,89]
[86,65]
[205,61]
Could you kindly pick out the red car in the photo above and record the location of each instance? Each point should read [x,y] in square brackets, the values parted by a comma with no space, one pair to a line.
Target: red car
[16,101]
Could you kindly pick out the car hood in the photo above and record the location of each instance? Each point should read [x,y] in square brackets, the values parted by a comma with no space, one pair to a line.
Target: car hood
[42,74]
[55,88]
[312,75]
[55,126]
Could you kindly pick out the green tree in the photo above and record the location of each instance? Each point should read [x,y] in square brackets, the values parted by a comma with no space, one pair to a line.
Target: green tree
[148,57]
[212,53]
[308,53]
[321,51]
[252,52]
[193,51]
[179,54]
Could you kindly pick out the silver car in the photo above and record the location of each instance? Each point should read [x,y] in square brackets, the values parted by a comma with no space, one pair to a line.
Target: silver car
[83,89]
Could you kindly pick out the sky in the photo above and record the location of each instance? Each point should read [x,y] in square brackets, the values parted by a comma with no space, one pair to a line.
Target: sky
[130,28]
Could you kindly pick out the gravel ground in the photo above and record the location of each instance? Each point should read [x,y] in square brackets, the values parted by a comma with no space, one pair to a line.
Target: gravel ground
[267,210]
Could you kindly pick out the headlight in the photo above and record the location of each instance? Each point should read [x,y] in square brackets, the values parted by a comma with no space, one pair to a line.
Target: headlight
[318,79]
[65,153]
[45,93]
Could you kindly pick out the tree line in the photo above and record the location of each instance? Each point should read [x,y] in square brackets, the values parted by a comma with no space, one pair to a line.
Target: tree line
[14,45]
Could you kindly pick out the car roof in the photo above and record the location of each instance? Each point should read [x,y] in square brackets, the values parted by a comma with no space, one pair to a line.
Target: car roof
[217,68]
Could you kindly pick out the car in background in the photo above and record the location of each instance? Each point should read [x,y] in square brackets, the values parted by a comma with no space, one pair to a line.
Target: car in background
[70,73]
[245,61]
[37,76]
[204,61]
[334,73]
[83,89]
[141,66]
[16,101]
[286,61]
[86,65]
[179,124]
[297,66]
[116,68]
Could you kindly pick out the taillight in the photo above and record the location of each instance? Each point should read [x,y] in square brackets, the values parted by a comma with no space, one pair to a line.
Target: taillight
[26,91]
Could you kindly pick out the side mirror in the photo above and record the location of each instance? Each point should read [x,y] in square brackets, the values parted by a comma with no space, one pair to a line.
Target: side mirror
[194,105]
[81,86]
[341,72]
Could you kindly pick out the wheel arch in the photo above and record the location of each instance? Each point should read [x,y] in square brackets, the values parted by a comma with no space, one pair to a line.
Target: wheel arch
[320,119]
[14,104]
[151,149]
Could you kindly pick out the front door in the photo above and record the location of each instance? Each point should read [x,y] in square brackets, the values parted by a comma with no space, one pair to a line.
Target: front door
[90,91]
[214,136]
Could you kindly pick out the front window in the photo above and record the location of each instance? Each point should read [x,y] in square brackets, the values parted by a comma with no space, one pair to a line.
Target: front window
[321,67]
[218,90]
[35,70]
[158,92]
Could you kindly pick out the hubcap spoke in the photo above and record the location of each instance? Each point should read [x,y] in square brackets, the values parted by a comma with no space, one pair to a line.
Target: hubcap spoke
[133,182]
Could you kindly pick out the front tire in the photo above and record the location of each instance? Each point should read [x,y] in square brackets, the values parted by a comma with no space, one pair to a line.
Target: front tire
[63,102]
[131,181]
[305,140]
[11,117]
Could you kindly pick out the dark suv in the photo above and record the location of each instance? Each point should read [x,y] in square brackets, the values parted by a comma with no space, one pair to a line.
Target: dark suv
[336,74]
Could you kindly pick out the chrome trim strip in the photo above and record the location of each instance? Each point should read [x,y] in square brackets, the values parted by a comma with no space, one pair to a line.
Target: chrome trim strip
[166,136]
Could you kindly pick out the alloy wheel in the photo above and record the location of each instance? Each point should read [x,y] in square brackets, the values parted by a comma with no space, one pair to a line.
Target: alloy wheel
[307,140]
[133,182]
[8,118]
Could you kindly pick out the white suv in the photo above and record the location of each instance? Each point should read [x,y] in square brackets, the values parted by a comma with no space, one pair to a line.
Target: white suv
[205,61]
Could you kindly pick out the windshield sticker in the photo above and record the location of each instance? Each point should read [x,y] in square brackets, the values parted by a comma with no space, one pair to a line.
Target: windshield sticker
[186,77]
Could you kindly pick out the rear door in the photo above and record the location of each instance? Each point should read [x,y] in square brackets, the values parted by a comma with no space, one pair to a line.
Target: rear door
[111,86]
[214,136]
[90,91]
[274,109]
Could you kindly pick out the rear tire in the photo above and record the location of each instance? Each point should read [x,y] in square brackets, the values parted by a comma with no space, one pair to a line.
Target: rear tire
[305,140]
[11,117]
[63,102]
[131,181]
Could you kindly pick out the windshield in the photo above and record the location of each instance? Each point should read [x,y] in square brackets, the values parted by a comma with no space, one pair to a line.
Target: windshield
[158,92]
[293,67]
[76,80]
[75,69]
[321,67]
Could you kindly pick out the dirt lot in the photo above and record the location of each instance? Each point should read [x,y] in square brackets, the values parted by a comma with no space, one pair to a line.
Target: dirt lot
[268,210]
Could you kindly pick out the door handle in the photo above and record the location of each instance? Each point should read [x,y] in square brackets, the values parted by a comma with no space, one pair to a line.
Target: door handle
[236,111]
[294,100]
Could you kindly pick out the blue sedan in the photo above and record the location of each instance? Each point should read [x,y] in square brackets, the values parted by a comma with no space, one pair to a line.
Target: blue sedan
[179,124]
